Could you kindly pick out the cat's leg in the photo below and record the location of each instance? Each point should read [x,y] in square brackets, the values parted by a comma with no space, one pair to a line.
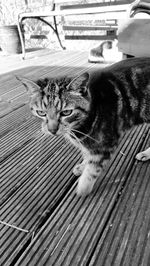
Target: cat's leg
[144,155]
[88,178]
[78,168]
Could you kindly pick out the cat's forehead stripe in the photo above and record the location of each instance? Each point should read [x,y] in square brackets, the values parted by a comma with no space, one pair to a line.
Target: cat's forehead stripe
[45,100]
[44,105]
[38,104]
[52,96]
[64,105]
[57,88]
[57,103]
[54,89]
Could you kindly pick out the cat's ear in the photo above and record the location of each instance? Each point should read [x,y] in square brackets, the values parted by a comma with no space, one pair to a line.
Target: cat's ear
[79,83]
[31,86]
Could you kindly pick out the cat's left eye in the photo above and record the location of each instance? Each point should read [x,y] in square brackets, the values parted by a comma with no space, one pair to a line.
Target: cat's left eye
[41,113]
[66,112]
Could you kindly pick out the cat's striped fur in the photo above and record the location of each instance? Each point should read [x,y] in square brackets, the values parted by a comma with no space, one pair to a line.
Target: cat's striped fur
[94,112]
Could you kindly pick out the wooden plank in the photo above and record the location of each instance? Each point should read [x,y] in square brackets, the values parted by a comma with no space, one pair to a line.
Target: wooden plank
[64,1]
[89,28]
[38,37]
[106,12]
[70,235]
[98,4]
[91,37]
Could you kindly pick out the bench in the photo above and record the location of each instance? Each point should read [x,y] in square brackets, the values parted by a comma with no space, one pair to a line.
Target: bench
[110,11]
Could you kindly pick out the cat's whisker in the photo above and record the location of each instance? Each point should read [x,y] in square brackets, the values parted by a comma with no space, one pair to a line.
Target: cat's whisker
[66,139]
[77,139]
[85,135]
[74,136]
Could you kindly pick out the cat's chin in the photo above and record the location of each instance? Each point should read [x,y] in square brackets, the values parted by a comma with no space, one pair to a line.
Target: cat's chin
[46,132]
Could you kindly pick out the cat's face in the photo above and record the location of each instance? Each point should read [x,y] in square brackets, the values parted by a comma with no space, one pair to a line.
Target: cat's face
[62,105]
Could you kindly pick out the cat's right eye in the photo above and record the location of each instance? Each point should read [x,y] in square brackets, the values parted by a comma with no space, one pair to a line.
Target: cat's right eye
[66,112]
[41,113]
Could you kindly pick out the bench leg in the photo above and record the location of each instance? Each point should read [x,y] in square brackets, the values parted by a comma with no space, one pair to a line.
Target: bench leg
[57,34]
[43,20]
[21,38]
[55,29]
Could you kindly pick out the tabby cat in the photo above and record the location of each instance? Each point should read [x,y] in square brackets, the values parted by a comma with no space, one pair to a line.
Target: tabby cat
[93,111]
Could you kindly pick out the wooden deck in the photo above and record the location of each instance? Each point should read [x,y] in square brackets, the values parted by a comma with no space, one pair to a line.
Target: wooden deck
[42,221]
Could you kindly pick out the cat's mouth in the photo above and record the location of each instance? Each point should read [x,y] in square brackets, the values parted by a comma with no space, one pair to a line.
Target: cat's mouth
[50,132]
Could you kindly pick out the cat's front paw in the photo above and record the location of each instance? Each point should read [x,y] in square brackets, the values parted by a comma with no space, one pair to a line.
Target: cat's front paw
[85,186]
[143,156]
[78,169]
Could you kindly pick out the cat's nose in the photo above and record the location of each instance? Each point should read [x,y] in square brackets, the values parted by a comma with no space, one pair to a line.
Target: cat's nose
[53,131]
[53,127]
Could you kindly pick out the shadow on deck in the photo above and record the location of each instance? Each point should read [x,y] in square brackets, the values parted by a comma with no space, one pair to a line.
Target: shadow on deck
[43,222]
